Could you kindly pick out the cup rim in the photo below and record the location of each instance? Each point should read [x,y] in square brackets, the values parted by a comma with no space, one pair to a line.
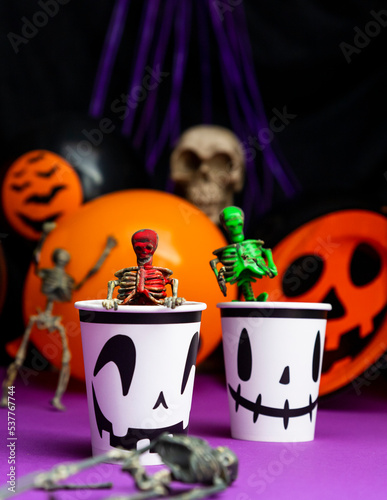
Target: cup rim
[320,306]
[96,305]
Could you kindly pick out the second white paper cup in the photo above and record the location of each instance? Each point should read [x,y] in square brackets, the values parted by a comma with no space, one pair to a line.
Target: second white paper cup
[273,357]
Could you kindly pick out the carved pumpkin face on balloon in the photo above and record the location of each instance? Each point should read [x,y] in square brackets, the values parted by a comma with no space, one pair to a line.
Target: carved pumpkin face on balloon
[339,258]
[39,187]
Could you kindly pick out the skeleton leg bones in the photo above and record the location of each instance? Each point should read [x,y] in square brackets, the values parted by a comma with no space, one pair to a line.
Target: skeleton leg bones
[64,375]
[17,363]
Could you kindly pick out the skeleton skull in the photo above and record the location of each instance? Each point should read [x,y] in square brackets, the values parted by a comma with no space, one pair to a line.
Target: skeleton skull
[144,244]
[207,167]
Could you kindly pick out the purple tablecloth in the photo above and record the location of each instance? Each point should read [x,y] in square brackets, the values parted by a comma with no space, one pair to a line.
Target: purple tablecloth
[347,459]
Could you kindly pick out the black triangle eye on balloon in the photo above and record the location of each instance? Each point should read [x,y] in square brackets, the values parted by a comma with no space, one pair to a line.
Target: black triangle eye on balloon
[302,275]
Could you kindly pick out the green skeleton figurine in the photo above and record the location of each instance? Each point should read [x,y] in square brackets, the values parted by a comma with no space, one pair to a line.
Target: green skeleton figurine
[243,260]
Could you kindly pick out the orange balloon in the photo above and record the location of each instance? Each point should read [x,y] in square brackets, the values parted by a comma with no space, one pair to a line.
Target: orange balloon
[339,258]
[39,186]
[187,238]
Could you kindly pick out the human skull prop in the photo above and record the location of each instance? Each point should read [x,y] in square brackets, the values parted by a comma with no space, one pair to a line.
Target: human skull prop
[208,167]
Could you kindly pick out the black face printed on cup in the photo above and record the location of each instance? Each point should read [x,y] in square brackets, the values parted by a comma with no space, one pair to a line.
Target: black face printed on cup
[245,363]
[121,351]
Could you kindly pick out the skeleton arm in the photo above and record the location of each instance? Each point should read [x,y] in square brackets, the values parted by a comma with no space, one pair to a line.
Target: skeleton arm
[174,286]
[173,301]
[219,275]
[109,302]
[47,228]
[110,244]
[50,480]
[266,252]
[156,485]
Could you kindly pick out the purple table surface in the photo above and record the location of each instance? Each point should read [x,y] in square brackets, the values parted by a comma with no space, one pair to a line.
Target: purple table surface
[347,459]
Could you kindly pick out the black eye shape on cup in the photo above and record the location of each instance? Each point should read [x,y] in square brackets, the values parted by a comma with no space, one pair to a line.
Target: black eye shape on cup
[316,357]
[121,351]
[245,357]
[191,360]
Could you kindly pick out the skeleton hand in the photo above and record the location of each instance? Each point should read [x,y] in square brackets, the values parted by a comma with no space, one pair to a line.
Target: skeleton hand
[273,270]
[110,303]
[111,242]
[158,484]
[48,227]
[270,262]
[222,281]
[172,302]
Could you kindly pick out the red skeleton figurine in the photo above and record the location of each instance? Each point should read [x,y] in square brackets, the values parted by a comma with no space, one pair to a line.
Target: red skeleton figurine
[143,284]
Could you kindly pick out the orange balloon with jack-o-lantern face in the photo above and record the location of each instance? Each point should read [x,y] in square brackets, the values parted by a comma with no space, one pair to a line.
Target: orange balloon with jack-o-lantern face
[339,258]
[40,186]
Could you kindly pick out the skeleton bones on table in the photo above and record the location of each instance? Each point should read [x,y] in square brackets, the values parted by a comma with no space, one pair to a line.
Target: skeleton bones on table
[188,459]
[143,284]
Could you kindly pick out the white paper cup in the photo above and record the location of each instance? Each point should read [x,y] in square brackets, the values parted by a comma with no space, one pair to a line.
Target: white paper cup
[139,371]
[273,356]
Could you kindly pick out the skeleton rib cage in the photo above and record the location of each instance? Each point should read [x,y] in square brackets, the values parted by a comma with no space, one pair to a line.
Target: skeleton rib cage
[137,280]
[239,258]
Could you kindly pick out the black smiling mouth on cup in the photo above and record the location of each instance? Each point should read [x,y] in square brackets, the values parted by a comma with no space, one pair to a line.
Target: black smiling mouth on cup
[257,408]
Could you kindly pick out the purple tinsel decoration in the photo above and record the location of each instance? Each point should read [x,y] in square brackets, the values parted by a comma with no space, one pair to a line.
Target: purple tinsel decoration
[146,30]
[160,21]
[108,57]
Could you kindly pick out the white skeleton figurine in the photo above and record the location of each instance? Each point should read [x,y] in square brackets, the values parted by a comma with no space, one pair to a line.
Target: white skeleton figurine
[57,286]
[208,168]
